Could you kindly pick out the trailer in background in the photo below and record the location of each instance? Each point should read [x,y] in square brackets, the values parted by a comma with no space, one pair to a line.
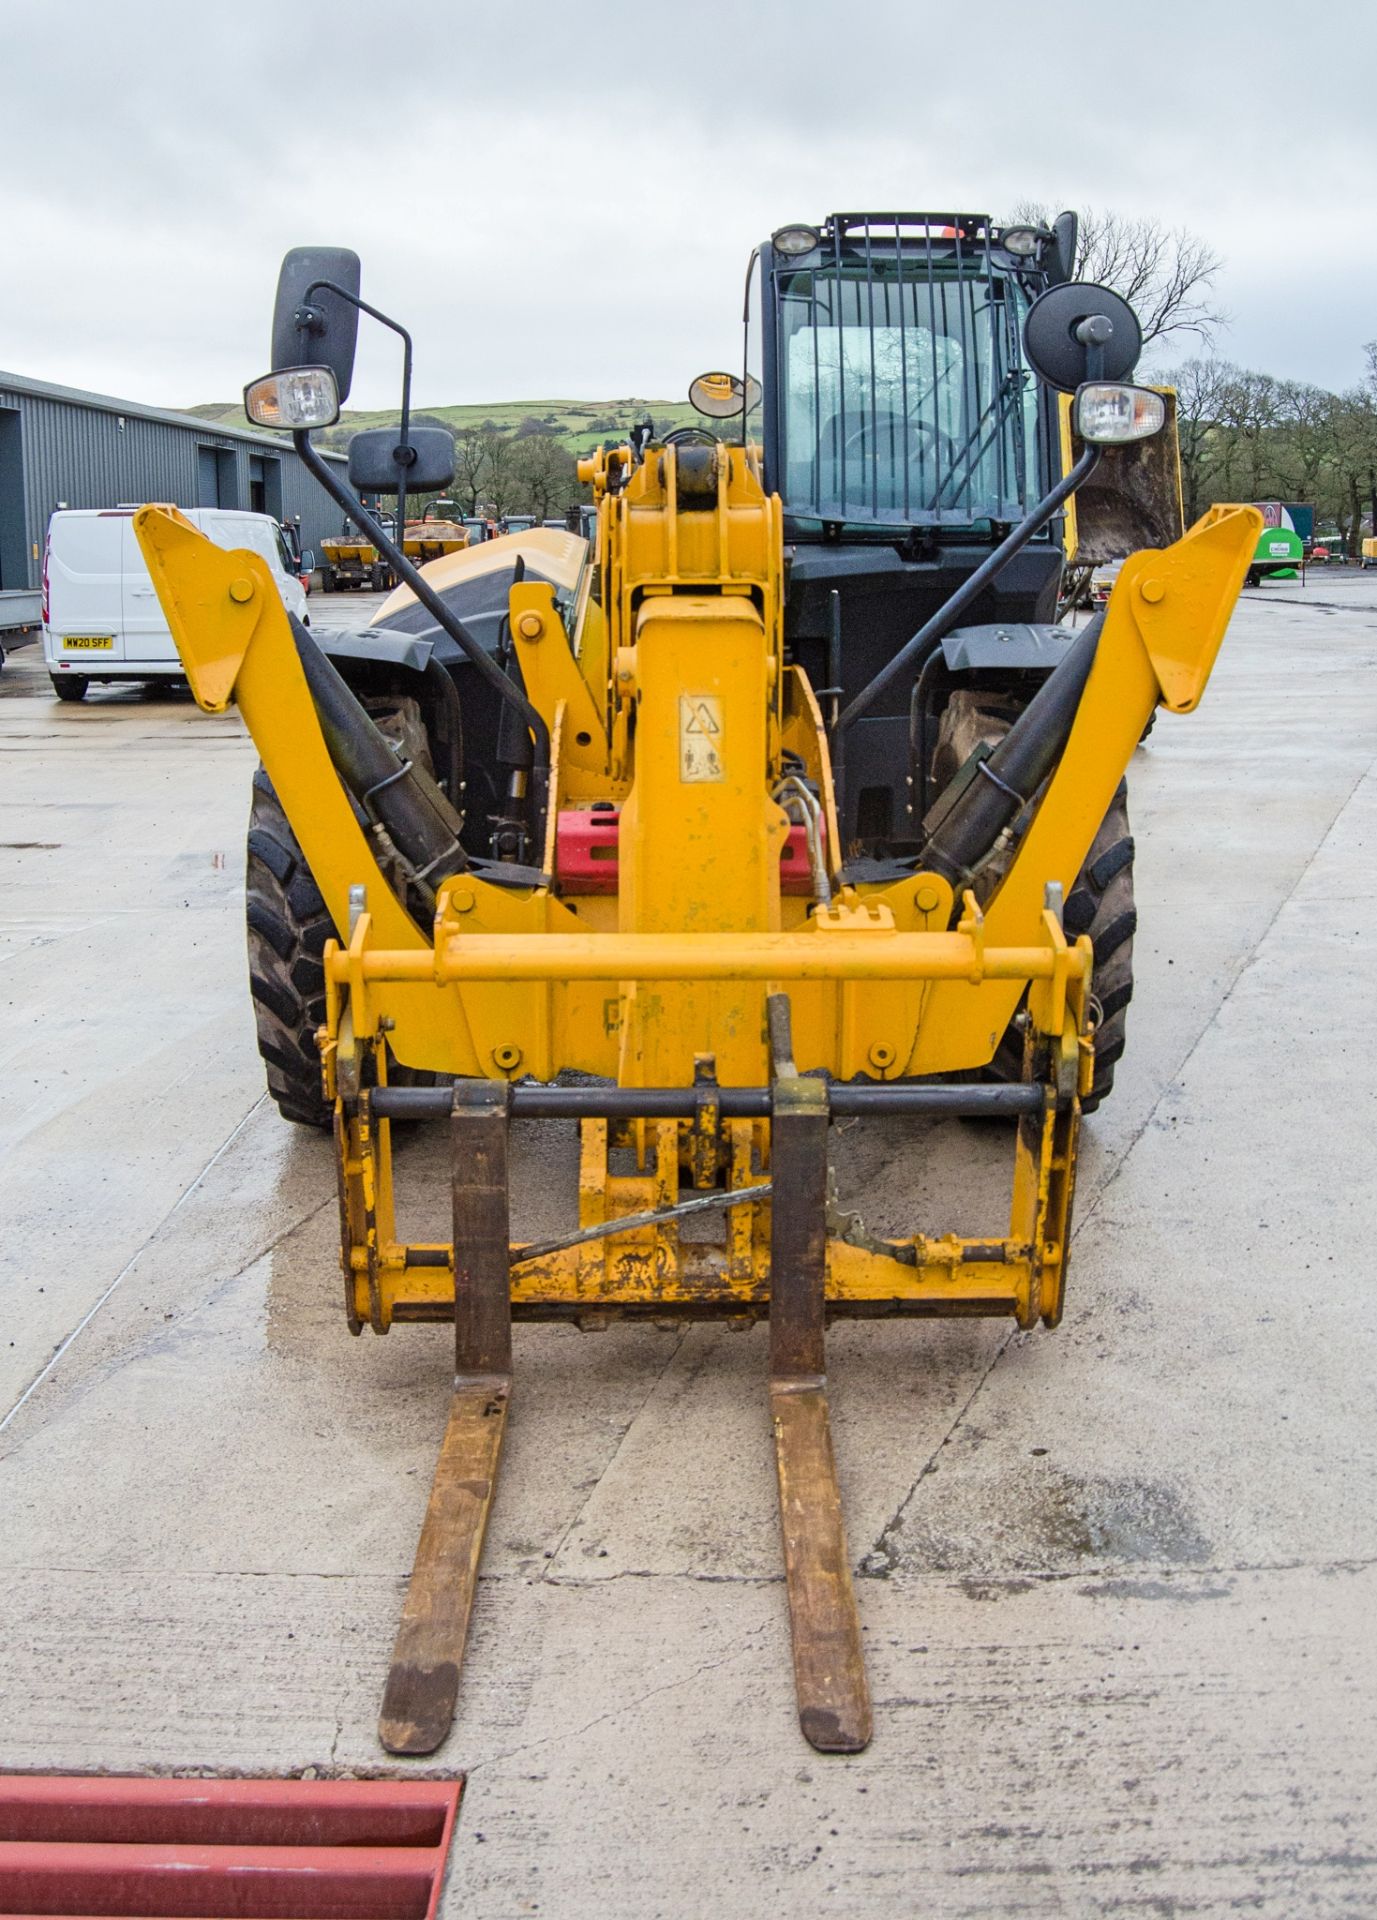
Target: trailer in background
[1289,516]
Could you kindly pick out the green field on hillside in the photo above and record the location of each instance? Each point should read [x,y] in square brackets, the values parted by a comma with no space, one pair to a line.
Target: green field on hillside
[580,425]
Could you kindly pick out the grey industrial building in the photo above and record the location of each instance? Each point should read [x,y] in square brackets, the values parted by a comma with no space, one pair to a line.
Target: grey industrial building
[61,447]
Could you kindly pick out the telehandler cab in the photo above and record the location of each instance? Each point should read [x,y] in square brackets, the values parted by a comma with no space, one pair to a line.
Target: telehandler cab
[714,830]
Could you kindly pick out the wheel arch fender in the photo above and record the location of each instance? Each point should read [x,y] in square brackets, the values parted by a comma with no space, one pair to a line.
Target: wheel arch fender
[1006,646]
[374,646]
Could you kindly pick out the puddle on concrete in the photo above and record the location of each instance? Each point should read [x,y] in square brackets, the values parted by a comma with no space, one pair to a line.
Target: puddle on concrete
[1165,1587]
[1040,1518]
[1115,1520]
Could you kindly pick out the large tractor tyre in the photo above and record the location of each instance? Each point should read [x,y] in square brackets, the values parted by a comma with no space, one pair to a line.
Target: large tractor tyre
[288,926]
[69,686]
[1100,903]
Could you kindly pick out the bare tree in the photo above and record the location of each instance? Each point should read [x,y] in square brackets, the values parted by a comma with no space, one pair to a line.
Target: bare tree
[1246,435]
[1365,403]
[1201,386]
[1356,454]
[1250,413]
[500,478]
[470,467]
[1305,446]
[1166,274]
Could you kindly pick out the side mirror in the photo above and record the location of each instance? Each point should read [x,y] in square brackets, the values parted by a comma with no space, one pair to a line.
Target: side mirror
[1061,259]
[313,327]
[376,460]
[723,395]
[1070,328]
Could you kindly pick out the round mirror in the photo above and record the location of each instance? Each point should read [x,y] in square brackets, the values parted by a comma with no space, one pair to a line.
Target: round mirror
[1050,334]
[719,395]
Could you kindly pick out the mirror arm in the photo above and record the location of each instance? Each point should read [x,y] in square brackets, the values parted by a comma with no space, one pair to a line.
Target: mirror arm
[925,640]
[1094,333]
[404,432]
[505,688]
[746,345]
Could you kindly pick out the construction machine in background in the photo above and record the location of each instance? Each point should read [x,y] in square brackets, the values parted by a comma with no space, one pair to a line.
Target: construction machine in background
[349,561]
[781,801]
[432,537]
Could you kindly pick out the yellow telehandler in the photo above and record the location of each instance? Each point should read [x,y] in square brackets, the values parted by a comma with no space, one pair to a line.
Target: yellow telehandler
[782,800]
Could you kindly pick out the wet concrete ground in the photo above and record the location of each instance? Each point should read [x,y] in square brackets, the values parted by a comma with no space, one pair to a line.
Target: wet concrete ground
[1116,1581]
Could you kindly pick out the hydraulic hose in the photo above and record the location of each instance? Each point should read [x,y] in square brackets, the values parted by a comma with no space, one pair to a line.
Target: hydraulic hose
[402,797]
[1004,784]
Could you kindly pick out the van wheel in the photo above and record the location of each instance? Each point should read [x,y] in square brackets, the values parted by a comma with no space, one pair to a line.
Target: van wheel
[288,926]
[69,686]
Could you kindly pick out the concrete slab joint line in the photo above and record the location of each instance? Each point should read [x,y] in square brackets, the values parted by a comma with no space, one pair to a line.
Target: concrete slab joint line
[615,1455]
[572,1735]
[882,1558]
[130,1264]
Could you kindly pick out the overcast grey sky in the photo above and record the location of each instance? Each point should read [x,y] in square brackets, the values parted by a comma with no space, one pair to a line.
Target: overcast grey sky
[560,199]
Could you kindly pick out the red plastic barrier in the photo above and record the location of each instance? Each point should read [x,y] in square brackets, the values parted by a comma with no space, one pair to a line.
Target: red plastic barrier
[586,854]
[279,1849]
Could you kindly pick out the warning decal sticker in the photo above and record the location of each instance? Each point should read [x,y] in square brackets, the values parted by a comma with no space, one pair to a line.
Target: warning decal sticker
[700,737]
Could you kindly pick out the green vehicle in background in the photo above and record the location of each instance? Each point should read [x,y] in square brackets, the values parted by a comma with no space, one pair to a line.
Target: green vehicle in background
[1280,555]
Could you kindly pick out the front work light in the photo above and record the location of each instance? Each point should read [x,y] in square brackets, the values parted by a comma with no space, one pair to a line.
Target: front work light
[1020,241]
[795,240]
[1110,414]
[297,397]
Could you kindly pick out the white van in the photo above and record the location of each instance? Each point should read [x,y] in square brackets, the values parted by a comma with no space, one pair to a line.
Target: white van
[102,619]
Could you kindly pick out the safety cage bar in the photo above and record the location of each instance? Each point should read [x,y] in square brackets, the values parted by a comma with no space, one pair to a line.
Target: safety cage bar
[894,465]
